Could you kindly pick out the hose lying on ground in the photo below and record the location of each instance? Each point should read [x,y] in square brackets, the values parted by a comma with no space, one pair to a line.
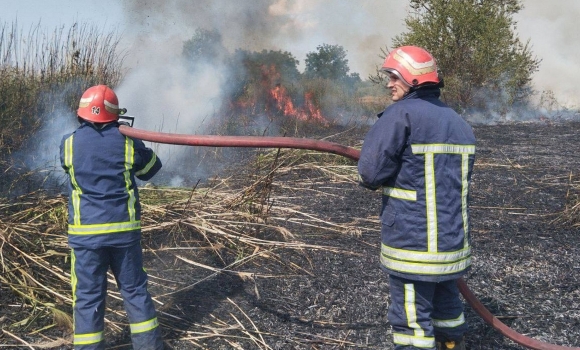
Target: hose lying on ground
[348,152]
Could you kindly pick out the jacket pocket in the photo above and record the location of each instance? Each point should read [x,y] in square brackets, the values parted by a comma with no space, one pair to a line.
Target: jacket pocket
[388,217]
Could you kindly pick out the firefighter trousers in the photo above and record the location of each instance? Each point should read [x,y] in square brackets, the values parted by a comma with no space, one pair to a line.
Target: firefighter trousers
[89,286]
[422,313]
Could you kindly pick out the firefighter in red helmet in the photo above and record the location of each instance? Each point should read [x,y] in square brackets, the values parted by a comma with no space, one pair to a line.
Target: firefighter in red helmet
[104,221]
[420,154]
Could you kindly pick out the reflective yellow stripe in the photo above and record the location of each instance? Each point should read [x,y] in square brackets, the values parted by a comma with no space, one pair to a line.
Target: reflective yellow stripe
[73,277]
[449,323]
[89,338]
[144,326]
[400,193]
[148,166]
[411,311]
[464,191]
[129,161]
[76,191]
[425,257]
[104,228]
[419,268]
[419,342]
[429,150]
[431,202]
[443,148]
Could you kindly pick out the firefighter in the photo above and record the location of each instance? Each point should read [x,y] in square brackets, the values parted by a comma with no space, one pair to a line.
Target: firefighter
[104,227]
[420,155]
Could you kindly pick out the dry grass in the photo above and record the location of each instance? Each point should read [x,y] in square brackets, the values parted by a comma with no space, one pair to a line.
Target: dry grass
[571,214]
[240,227]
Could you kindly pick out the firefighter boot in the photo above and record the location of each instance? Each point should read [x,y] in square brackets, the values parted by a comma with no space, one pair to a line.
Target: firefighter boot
[451,345]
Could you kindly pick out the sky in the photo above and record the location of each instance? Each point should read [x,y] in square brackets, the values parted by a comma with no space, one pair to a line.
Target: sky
[362,27]
[168,98]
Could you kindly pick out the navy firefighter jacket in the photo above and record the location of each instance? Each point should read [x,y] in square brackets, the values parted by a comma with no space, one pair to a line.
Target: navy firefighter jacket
[102,164]
[420,153]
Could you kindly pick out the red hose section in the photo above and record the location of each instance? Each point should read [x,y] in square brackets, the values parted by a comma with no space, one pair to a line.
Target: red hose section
[351,153]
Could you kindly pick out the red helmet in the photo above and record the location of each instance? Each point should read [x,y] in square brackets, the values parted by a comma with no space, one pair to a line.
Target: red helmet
[99,104]
[414,65]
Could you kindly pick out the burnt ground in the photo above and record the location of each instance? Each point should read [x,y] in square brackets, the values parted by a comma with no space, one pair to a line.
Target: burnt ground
[526,262]
[526,270]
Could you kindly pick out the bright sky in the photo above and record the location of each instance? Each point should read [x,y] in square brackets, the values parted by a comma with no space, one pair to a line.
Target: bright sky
[55,13]
[362,27]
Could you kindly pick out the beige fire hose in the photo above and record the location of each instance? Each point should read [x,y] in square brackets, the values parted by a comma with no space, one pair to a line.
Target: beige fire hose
[348,152]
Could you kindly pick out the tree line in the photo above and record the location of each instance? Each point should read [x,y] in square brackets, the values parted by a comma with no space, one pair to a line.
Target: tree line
[484,64]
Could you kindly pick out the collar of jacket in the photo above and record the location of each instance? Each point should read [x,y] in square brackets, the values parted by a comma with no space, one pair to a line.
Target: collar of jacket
[421,92]
[98,126]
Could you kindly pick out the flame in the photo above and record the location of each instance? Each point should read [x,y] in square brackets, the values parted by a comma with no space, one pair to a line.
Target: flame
[283,101]
[284,104]
[274,98]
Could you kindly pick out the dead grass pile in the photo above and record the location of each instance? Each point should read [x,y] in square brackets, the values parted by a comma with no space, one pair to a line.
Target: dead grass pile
[236,220]
[571,213]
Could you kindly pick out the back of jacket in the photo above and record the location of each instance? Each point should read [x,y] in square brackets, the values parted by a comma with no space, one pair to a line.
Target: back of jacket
[102,164]
[420,153]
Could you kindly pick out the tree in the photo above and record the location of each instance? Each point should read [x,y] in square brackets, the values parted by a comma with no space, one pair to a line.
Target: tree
[329,62]
[205,45]
[479,55]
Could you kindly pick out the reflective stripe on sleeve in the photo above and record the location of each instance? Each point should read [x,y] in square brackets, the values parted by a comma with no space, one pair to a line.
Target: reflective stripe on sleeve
[76,189]
[129,161]
[147,167]
[400,193]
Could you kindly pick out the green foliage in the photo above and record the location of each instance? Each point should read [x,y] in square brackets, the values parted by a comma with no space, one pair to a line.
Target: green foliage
[255,74]
[205,45]
[253,64]
[329,62]
[476,50]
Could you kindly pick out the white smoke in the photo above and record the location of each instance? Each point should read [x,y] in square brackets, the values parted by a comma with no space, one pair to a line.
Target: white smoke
[165,95]
[552,29]
[297,26]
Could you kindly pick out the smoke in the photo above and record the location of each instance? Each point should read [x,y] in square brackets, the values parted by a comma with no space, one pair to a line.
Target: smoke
[553,34]
[167,96]
[298,26]
[39,160]
[164,94]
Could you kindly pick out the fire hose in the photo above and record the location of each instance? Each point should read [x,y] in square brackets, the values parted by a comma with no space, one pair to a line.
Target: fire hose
[348,152]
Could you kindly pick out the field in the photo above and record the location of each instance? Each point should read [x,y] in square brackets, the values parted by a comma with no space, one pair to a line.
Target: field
[281,252]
